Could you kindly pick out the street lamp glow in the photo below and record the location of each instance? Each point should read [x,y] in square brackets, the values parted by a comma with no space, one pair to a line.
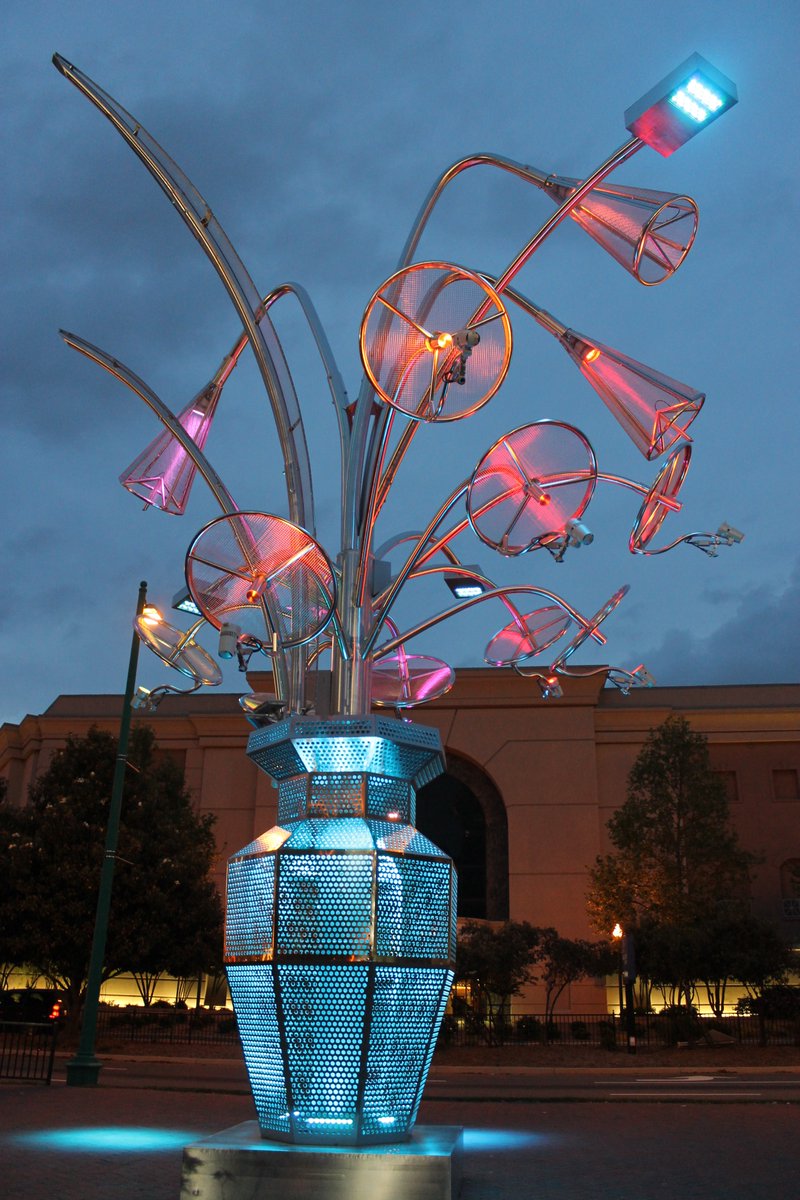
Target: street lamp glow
[616,932]
[686,101]
[151,616]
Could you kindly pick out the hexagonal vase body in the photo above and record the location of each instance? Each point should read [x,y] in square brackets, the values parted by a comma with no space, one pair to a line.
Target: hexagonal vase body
[340,932]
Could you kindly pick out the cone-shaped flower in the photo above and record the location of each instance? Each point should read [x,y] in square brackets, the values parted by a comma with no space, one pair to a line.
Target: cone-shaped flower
[649,233]
[653,409]
[163,473]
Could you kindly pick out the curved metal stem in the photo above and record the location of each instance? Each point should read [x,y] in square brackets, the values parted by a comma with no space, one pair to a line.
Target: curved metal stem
[463,164]
[495,594]
[409,565]
[197,214]
[457,569]
[335,382]
[621,155]
[167,418]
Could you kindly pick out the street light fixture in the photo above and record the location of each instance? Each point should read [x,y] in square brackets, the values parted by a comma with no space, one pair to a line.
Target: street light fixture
[470,581]
[684,102]
[377,940]
[182,602]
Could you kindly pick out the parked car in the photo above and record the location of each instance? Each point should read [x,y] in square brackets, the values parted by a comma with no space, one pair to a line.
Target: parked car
[37,1005]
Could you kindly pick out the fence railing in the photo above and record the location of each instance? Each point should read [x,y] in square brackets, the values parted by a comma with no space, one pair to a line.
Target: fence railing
[609,1031]
[27,1051]
[194,1026]
[202,1027]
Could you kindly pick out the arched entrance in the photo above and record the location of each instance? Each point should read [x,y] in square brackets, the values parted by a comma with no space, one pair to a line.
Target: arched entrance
[463,812]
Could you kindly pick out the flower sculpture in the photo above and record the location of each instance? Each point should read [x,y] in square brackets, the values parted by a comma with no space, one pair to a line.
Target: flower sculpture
[341,920]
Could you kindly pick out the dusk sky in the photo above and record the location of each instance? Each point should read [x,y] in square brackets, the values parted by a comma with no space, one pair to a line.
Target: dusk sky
[315,130]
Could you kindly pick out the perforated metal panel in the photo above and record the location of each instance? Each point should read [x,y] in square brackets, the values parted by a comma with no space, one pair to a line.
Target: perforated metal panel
[324,904]
[413,907]
[393,798]
[253,991]
[336,795]
[404,1007]
[345,925]
[251,892]
[377,745]
[345,794]
[293,799]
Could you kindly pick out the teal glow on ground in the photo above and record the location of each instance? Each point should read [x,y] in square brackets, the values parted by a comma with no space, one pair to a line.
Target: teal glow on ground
[108,1139]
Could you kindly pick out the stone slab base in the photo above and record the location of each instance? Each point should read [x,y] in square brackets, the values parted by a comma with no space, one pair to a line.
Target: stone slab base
[238,1164]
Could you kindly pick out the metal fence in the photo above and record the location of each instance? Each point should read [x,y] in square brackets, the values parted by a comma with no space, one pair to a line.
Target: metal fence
[195,1026]
[203,1027]
[609,1031]
[27,1051]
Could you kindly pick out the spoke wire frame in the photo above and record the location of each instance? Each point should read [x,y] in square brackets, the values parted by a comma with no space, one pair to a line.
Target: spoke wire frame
[264,574]
[665,487]
[527,638]
[529,484]
[179,650]
[418,342]
[405,680]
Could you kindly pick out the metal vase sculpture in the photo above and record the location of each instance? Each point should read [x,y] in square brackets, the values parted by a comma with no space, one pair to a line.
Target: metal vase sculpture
[340,931]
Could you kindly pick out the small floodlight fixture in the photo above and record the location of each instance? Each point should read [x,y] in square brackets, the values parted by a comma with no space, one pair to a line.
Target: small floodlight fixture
[550,687]
[686,101]
[468,583]
[729,534]
[228,639]
[182,601]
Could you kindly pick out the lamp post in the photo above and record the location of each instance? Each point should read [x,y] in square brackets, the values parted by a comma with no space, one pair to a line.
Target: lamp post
[627,973]
[83,1070]
[616,934]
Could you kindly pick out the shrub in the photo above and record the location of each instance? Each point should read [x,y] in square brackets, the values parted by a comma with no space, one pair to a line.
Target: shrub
[528,1029]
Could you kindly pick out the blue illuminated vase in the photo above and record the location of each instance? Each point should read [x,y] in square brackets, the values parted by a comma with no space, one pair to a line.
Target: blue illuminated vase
[340,931]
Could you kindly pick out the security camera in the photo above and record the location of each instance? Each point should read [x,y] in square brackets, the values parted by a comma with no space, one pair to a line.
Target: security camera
[578,534]
[466,339]
[228,634]
[729,534]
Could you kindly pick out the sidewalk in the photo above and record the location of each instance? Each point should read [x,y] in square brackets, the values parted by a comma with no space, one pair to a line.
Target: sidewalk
[125,1143]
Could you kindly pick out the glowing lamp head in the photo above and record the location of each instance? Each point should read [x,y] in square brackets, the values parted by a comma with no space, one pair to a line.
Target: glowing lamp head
[691,97]
[591,354]
[150,615]
[616,932]
[439,341]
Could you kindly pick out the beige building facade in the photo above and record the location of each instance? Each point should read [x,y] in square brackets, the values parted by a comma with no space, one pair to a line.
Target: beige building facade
[530,784]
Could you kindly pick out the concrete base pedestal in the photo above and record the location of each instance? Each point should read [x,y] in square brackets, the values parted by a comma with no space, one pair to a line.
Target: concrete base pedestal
[237,1164]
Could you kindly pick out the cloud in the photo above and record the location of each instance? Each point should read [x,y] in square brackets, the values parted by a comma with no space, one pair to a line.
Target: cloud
[760,643]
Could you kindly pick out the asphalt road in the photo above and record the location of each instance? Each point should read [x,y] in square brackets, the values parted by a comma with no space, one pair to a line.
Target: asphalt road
[488,1084]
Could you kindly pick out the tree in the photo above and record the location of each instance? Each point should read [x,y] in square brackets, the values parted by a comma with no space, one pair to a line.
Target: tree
[11,835]
[165,913]
[677,873]
[566,960]
[496,962]
[761,961]
[677,860]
